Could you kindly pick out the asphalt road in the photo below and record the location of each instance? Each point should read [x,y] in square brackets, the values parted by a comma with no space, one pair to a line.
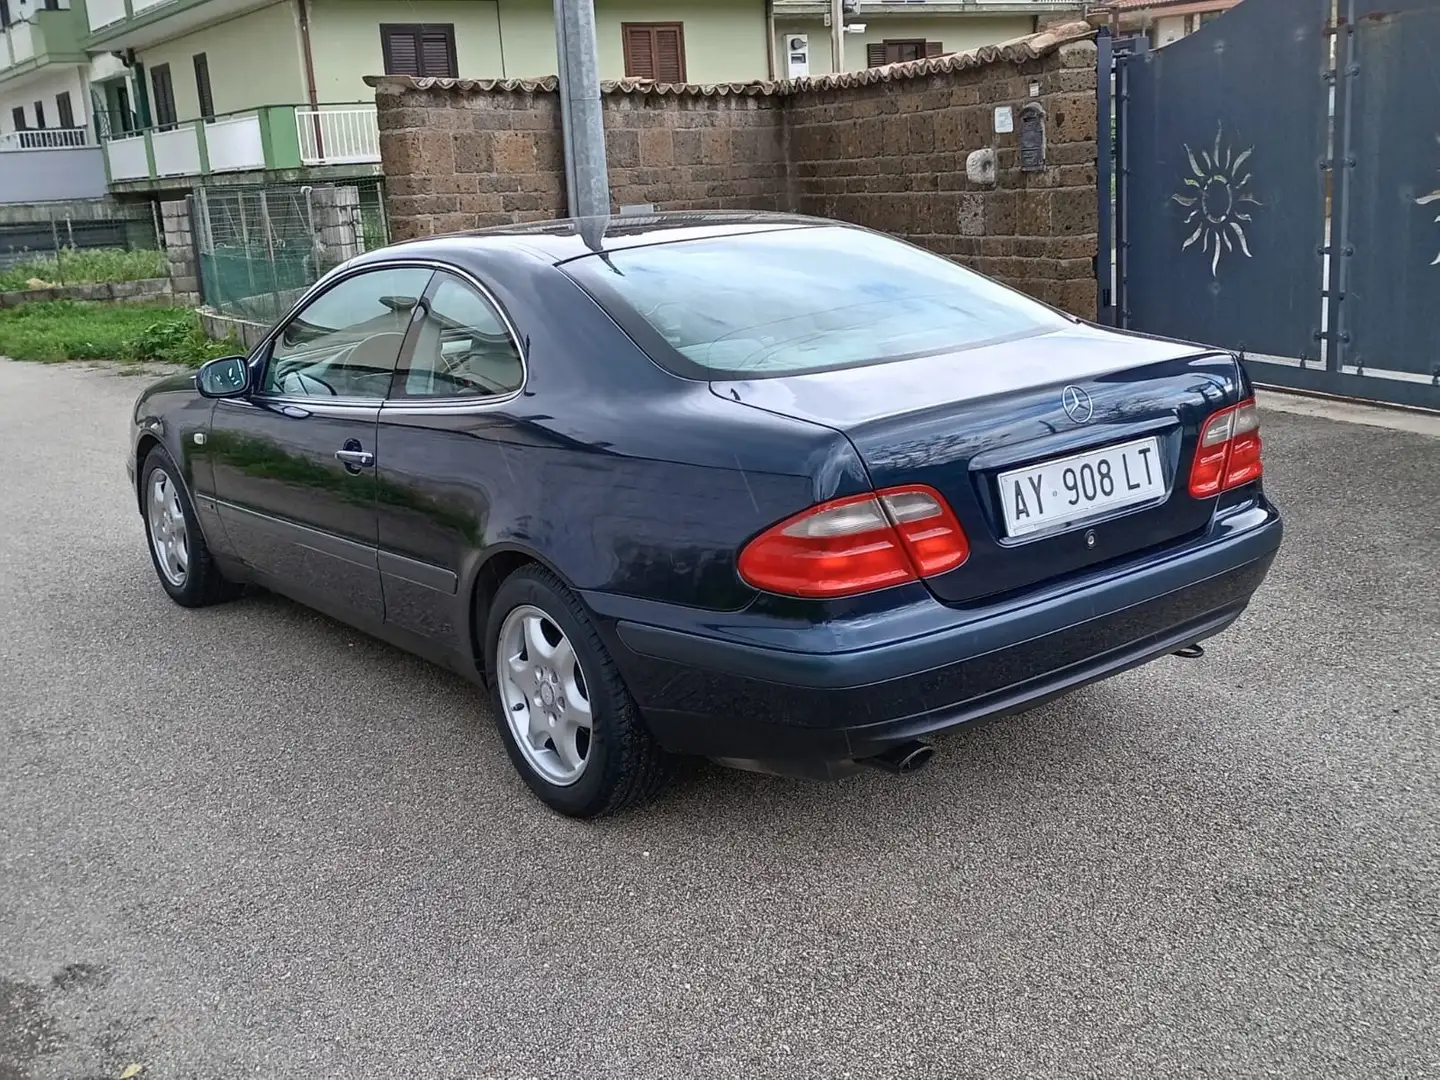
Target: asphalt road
[249,842]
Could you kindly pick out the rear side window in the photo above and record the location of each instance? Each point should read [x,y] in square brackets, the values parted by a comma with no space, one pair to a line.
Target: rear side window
[801,300]
[462,348]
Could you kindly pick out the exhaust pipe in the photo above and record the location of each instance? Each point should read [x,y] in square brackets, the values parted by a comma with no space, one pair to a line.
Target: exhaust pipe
[908,757]
[1191,652]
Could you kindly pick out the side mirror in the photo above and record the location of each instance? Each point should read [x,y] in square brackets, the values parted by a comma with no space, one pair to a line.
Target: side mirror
[228,376]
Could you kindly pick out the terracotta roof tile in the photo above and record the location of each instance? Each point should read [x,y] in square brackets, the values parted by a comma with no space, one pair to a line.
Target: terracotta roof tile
[1017,50]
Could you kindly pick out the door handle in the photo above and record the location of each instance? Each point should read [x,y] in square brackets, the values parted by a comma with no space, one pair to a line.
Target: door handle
[361,459]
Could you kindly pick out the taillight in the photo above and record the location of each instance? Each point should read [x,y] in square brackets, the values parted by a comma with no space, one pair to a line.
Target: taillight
[857,544]
[1228,454]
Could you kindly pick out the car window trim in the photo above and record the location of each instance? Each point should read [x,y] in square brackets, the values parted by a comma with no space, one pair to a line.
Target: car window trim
[260,358]
[335,277]
[395,401]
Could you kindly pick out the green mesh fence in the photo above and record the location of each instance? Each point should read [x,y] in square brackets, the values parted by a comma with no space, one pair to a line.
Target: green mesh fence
[255,285]
[260,248]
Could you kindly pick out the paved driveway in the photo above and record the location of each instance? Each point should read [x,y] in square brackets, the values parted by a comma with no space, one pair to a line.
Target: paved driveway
[249,842]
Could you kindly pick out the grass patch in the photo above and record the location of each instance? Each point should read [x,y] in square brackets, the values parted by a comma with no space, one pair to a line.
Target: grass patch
[58,330]
[90,266]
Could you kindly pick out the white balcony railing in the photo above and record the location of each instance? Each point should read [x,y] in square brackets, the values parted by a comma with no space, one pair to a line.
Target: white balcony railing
[338,136]
[44,139]
[127,158]
[22,42]
[177,151]
[235,143]
[104,12]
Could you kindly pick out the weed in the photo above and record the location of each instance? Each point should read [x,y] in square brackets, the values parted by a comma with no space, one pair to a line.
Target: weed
[70,266]
[58,330]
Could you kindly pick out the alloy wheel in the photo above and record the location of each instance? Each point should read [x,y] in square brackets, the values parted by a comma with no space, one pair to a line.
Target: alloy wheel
[542,687]
[168,534]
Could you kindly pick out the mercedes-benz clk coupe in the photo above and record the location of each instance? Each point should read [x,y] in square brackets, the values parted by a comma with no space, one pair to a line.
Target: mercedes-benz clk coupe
[777,491]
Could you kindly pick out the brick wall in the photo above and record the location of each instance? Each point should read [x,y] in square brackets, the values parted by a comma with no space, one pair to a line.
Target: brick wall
[715,151]
[884,148]
[891,155]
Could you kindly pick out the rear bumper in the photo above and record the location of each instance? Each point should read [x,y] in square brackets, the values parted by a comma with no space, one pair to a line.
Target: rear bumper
[728,699]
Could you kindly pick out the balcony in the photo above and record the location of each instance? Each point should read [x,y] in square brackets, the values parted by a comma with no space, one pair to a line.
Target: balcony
[45,139]
[119,24]
[46,37]
[50,164]
[272,138]
[813,9]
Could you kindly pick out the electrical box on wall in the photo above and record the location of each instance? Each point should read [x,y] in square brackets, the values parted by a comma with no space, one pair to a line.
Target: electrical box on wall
[797,54]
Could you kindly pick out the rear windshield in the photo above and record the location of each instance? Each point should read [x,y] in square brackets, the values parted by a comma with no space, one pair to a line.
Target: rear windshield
[800,300]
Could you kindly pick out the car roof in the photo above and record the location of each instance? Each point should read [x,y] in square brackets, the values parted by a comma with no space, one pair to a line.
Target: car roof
[563,239]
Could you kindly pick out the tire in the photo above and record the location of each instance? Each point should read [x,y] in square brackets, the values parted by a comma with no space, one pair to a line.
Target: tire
[200,583]
[622,764]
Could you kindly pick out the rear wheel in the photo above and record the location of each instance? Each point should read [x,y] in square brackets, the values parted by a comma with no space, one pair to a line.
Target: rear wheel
[177,547]
[568,722]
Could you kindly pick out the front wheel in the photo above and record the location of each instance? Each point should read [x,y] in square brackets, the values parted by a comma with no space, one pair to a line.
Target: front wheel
[177,547]
[569,725]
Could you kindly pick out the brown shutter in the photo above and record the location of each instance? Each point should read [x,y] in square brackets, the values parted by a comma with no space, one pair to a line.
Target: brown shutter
[400,47]
[202,86]
[164,95]
[654,51]
[669,55]
[437,52]
[66,109]
[639,52]
[934,48]
[875,55]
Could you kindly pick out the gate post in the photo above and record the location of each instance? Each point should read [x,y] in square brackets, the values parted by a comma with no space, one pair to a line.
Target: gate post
[1104,177]
[1337,246]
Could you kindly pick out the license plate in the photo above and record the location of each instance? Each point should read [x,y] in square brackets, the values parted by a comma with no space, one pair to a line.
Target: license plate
[1070,489]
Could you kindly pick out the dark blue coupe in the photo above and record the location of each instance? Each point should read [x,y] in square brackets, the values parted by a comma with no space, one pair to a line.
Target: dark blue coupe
[778,491]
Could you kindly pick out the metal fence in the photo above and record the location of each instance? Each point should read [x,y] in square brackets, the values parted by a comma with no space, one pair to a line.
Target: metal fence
[49,240]
[1280,201]
[259,248]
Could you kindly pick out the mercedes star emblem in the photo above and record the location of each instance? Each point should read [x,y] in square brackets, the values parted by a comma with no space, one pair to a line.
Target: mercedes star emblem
[1078,405]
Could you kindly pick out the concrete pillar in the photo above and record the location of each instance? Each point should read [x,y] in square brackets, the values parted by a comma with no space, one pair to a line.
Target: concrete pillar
[335,221]
[180,251]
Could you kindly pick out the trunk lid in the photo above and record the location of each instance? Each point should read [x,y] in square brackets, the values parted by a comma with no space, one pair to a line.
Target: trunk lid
[962,422]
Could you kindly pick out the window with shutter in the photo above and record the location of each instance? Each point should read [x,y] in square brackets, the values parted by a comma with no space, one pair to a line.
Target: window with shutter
[875,55]
[40,114]
[203,92]
[164,91]
[425,51]
[18,115]
[65,109]
[654,51]
[901,52]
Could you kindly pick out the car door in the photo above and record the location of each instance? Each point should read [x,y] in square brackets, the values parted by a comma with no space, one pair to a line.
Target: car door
[294,462]
[441,448]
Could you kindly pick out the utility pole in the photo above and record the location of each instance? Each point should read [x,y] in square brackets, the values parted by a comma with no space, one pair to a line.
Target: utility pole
[587,183]
[837,35]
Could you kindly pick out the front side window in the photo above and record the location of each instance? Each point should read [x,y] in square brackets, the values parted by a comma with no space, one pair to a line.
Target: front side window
[345,342]
[462,348]
[791,301]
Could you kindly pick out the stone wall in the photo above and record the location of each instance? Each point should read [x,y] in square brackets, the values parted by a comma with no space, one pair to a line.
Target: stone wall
[144,291]
[885,148]
[179,239]
[891,155]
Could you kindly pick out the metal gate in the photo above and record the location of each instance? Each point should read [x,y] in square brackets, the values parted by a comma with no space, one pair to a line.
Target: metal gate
[1276,190]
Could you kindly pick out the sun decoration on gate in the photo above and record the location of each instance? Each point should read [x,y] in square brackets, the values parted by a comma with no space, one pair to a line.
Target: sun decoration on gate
[1426,200]
[1218,199]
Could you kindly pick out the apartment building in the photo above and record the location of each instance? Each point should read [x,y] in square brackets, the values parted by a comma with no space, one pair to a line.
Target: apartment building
[167,94]
[1162,21]
[879,32]
[48,145]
